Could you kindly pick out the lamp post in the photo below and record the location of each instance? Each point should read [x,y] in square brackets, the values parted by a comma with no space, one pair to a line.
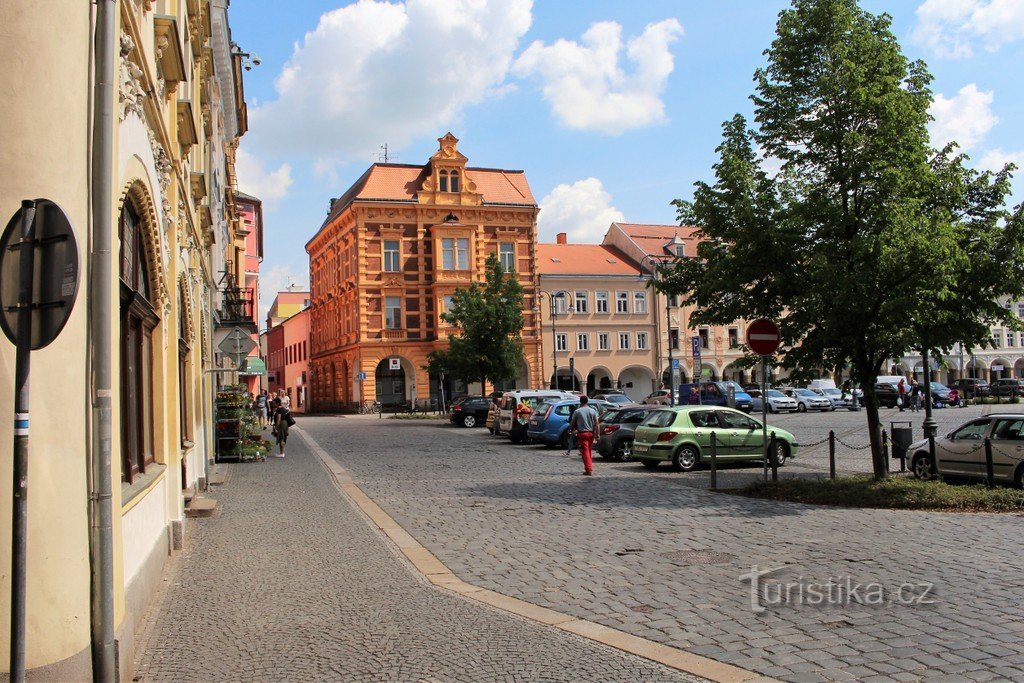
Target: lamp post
[552,297]
[653,262]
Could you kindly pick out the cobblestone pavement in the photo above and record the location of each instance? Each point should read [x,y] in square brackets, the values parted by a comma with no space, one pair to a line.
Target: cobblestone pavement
[644,552]
[291,583]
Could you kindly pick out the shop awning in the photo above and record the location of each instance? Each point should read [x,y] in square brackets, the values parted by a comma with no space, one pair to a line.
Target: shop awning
[253,366]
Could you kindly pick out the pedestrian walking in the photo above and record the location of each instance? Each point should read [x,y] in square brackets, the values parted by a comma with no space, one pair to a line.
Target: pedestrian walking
[584,423]
[283,420]
[570,441]
[915,396]
[262,406]
[901,400]
[286,400]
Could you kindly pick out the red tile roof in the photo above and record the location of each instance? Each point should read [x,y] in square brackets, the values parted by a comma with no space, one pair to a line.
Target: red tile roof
[583,259]
[652,238]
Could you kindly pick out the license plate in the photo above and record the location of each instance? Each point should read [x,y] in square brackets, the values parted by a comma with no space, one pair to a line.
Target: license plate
[639,449]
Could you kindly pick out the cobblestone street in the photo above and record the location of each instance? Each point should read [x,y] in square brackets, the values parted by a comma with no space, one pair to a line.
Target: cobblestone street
[292,583]
[652,554]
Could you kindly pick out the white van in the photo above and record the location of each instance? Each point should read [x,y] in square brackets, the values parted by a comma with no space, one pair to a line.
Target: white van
[892,379]
[517,406]
[821,384]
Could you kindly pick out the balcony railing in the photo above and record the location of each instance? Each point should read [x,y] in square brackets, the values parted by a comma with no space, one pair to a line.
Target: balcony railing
[236,307]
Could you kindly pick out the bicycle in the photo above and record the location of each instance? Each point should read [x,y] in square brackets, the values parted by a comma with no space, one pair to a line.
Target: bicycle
[369,407]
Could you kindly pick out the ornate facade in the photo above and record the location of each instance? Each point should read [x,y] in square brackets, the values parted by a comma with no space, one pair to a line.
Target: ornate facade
[400,241]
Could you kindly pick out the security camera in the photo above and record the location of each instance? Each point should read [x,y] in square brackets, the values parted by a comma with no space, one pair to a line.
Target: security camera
[255,59]
[247,66]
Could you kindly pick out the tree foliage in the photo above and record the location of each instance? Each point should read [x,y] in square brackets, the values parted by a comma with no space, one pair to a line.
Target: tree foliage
[489,318]
[868,244]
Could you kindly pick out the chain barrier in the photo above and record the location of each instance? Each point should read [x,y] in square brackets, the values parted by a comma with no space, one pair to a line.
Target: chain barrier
[853,448]
[813,443]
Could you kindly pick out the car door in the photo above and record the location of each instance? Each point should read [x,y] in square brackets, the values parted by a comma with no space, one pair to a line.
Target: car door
[704,422]
[743,433]
[1007,446]
[963,451]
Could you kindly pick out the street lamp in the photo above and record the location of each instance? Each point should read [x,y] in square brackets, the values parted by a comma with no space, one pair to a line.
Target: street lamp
[552,298]
[654,263]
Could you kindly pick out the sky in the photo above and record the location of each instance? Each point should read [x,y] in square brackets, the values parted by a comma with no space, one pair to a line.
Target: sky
[612,109]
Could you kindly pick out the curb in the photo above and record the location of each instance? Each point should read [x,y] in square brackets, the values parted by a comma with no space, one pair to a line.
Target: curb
[438,574]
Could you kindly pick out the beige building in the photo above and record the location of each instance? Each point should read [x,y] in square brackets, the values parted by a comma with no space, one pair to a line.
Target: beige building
[165,196]
[596,314]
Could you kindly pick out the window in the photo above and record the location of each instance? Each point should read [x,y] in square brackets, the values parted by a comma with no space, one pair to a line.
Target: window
[442,178]
[560,303]
[673,339]
[624,341]
[705,338]
[997,338]
[639,302]
[561,342]
[581,305]
[138,318]
[622,302]
[641,341]
[391,256]
[447,302]
[734,338]
[1020,310]
[1009,338]
[507,255]
[680,250]
[673,301]
[455,253]
[393,313]
[582,342]
[601,302]
[603,341]
[455,181]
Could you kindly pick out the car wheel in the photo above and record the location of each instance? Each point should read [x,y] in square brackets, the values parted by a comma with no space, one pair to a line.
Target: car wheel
[649,464]
[801,408]
[781,453]
[921,466]
[623,451]
[685,459]
[469,421]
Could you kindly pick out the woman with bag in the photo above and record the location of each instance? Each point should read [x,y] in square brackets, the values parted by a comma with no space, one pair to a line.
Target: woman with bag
[283,420]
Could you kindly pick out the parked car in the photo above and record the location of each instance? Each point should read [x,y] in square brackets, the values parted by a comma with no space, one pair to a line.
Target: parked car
[549,423]
[808,400]
[940,394]
[714,394]
[834,395]
[661,397]
[1007,387]
[962,452]
[616,397]
[682,435]
[617,428]
[517,407]
[887,393]
[469,411]
[602,406]
[778,402]
[971,387]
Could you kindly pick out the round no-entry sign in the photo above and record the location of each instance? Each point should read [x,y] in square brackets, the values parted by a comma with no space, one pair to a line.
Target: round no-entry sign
[763,337]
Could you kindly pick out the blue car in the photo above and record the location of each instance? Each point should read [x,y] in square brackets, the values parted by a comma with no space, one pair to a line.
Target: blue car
[715,394]
[549,423]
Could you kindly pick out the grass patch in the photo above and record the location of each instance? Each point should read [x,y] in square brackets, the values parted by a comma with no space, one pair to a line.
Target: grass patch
[897,492]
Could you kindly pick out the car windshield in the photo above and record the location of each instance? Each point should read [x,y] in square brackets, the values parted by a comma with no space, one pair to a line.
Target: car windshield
[833,392]
[939,386]
[775,393]
[805,392]
[660,418]
[617,398]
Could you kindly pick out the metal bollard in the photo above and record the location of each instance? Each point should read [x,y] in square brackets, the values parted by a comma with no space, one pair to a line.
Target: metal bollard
[774,459]
[885,448]
[831,455]
[989,474]
[714,463]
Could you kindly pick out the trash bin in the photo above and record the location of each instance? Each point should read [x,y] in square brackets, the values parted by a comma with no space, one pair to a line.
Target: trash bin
[901,435]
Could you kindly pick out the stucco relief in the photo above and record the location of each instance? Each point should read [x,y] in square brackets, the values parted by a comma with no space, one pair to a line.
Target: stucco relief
[131,93]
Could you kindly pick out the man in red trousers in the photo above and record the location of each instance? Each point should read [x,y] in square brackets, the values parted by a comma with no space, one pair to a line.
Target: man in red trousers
[584,423]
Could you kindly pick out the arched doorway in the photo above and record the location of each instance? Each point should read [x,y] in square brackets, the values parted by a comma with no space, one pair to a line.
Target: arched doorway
[390,381]
[708,373]
[1000,369]
[637,382]
[567,382]
[1018,368]
[599,379]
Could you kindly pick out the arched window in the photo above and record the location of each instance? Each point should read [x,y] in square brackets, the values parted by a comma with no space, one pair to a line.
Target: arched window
[455,181]
[442,184]
[138,318]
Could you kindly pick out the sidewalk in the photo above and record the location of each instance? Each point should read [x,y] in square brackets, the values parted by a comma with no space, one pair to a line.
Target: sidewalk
[292,582]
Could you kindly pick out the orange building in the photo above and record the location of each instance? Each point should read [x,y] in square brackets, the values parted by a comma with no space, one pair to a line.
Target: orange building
[383,265]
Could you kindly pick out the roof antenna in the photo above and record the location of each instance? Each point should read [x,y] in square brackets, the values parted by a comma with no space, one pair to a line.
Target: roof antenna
[385,156]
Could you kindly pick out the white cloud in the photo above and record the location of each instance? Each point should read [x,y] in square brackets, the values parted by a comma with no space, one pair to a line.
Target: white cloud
[995,159]
[586,86]
[377,72]
[965,118]
[583,210]
[951,28]
[253,178]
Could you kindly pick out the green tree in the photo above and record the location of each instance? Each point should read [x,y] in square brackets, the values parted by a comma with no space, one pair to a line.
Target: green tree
[489,317]
[868,243]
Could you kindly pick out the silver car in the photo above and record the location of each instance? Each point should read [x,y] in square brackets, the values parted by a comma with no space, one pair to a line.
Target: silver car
[808,400]
[961,453]
[778,402]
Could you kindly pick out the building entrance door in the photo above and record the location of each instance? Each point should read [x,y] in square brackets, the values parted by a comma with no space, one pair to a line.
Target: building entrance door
[390,384]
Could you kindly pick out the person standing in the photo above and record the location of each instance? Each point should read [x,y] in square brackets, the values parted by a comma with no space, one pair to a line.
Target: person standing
[915,396]
[261,408]
[283,420]
[902,399]
[584,423]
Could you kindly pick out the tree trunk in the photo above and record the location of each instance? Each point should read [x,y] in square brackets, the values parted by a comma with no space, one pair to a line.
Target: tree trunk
[878,463]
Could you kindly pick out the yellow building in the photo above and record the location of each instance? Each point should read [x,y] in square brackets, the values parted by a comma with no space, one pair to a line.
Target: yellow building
[168,108]
[392,251]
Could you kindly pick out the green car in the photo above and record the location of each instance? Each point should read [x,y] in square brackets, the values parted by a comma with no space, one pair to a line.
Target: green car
[682,436]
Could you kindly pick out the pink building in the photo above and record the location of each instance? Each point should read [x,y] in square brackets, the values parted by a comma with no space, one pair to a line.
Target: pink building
[247,293]
[288,358]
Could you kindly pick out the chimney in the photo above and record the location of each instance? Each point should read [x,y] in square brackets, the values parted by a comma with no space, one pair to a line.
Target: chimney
[561,238]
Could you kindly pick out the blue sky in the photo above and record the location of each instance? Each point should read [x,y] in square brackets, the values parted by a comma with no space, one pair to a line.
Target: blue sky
[613,109]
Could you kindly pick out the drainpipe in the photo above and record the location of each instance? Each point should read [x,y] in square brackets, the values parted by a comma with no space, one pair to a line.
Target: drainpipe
[101,542]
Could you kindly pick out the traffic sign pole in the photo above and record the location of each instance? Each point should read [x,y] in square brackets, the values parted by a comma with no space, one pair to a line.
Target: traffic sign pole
[763,338]
[26,258]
